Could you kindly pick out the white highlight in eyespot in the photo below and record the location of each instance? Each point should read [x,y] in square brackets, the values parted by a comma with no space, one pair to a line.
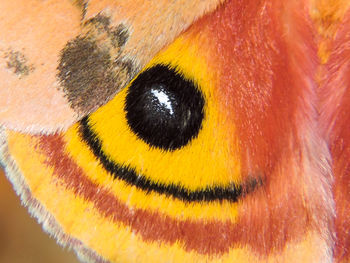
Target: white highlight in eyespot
[163,99]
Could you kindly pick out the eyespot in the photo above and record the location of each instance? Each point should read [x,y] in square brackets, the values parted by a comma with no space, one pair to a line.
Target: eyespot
[164,109]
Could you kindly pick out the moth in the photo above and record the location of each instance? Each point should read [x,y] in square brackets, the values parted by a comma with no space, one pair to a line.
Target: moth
[180,131]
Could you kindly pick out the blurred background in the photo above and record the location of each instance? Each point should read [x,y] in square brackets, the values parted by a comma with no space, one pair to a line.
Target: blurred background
[21,238]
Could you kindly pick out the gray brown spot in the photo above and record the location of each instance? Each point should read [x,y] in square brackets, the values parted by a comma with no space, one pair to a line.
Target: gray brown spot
[91,69]
[18,63]
[100,22]
[120,35]
[101,25]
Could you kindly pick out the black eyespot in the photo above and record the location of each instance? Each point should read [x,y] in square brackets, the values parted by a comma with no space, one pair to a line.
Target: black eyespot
[163,108]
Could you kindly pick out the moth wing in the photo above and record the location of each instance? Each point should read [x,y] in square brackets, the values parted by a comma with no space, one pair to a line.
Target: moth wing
[39,92]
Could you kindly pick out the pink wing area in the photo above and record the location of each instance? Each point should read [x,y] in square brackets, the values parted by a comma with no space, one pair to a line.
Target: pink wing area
[51,75]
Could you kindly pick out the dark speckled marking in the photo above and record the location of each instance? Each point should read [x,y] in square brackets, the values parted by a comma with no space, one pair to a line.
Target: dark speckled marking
[88,74]
[100,21]
[120,35]
[18,63]
[91,69]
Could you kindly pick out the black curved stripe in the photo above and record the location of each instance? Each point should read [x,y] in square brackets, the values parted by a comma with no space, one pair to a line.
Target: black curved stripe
[130,176]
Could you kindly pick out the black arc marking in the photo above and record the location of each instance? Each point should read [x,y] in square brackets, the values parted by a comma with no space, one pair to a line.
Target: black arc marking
[129,175]
[163,108]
